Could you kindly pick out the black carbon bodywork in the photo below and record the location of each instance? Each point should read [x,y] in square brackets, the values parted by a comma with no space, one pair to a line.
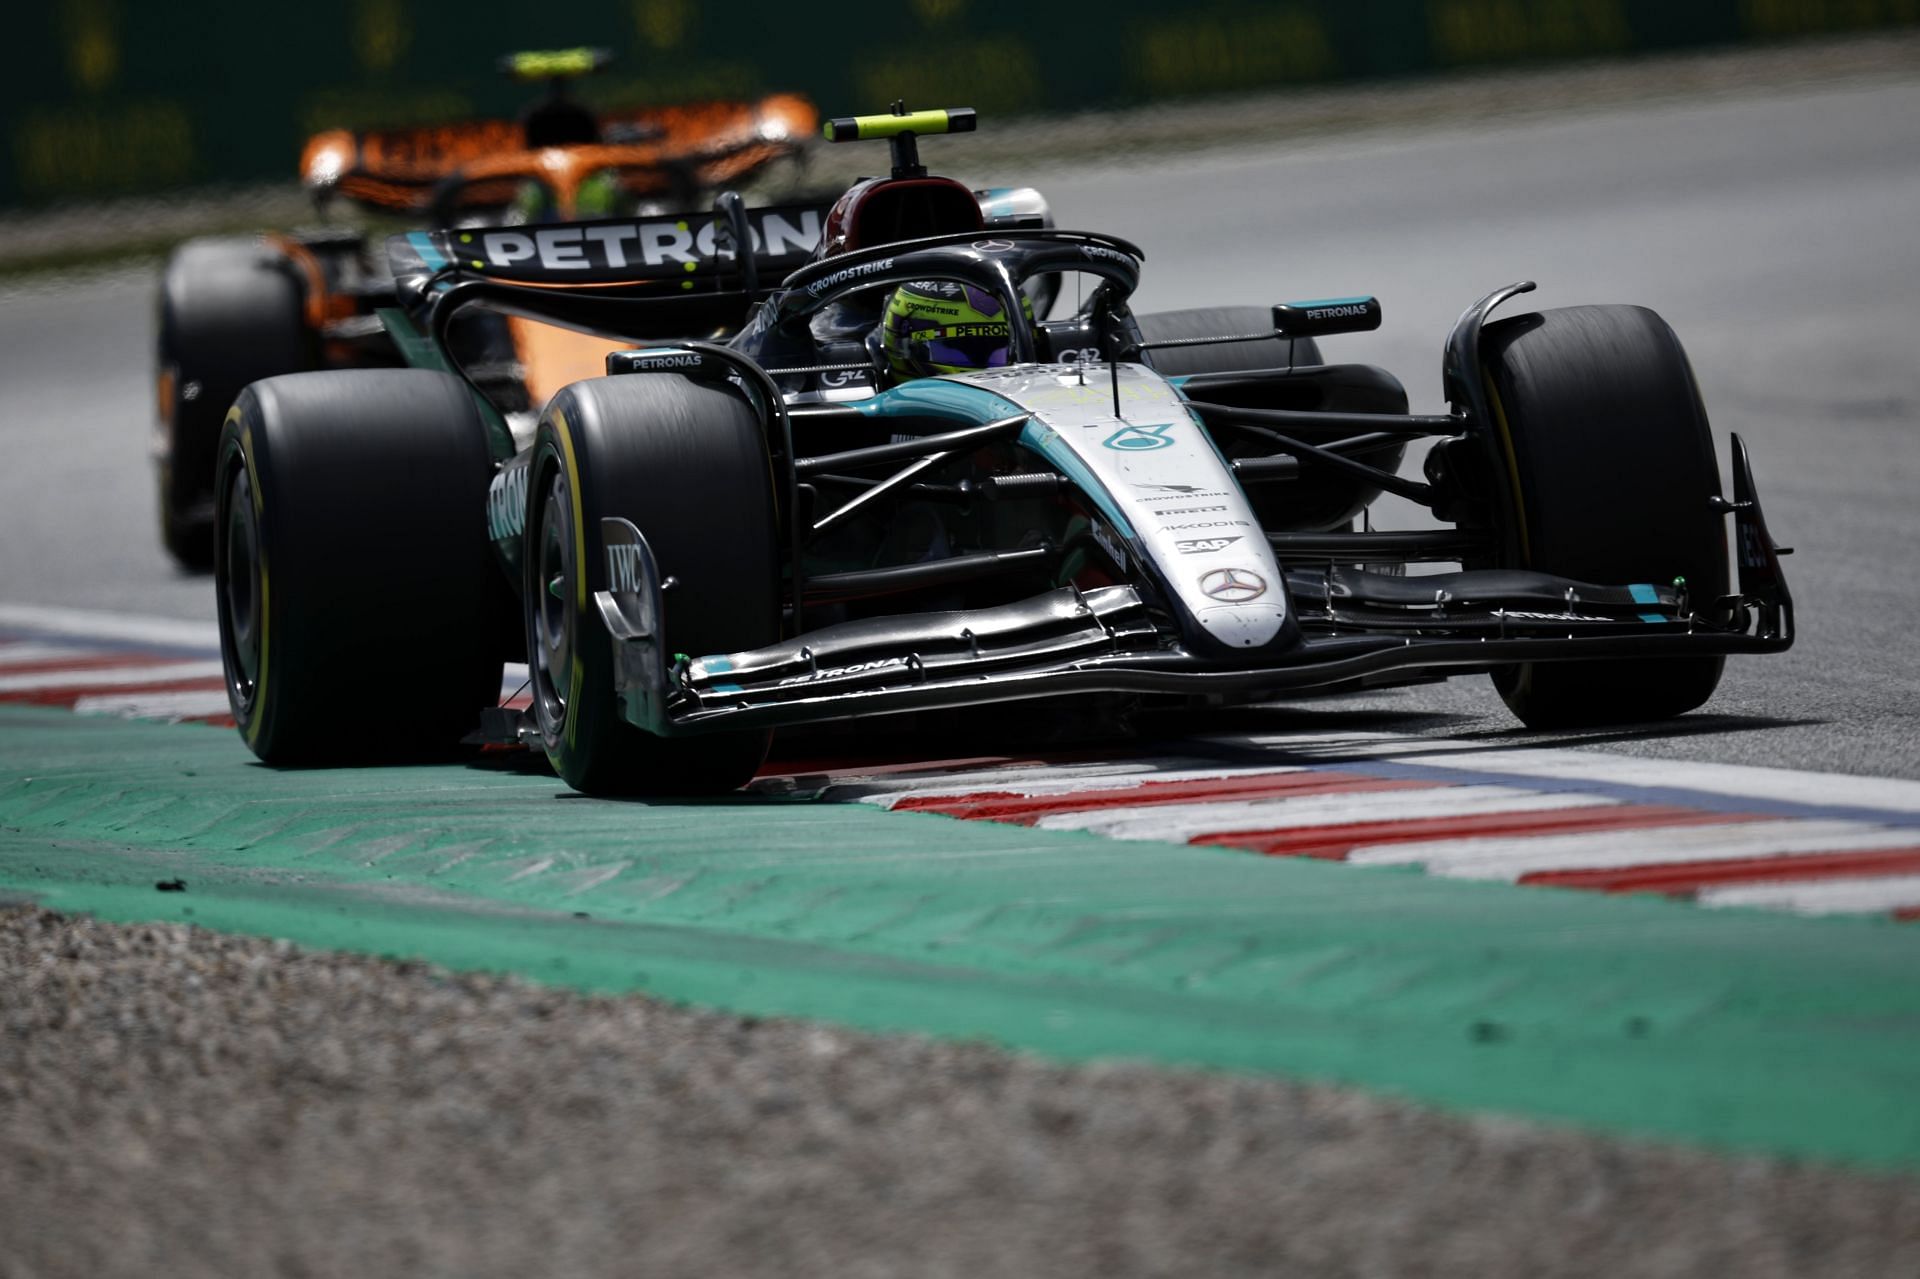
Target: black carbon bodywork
[938,555]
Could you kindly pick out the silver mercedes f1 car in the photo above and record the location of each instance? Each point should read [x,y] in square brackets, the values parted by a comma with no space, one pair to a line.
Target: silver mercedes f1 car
[859,459]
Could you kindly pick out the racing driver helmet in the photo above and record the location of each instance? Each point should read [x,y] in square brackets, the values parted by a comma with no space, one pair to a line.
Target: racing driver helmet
[940,326]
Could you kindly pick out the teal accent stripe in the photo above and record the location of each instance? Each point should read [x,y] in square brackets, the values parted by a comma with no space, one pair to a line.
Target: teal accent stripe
[993,198]
[720,666]
[1643,593]
[1333,302]
[970,405]
[1654,617]
[955,402]
[429,252]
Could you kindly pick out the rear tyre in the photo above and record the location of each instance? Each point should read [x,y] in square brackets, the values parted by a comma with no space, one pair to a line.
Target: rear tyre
[1227,357]
[686,463]
[1601,423]
[359,601]
[230,314]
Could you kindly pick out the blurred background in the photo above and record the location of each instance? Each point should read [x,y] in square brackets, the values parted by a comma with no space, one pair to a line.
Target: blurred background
[110,97]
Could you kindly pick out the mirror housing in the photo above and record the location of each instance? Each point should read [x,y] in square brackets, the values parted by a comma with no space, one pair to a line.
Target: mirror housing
[1329,315]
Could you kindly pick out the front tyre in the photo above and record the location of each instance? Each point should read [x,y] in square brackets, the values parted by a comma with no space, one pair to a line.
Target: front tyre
[687,464]
[359,604]
[1600,422]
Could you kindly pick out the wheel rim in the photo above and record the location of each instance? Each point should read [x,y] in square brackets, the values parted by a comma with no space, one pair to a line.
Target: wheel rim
[238,570]
[551,654]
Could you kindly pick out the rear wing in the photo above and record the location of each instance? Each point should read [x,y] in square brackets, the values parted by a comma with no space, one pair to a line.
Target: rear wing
[671,254]
[479,163]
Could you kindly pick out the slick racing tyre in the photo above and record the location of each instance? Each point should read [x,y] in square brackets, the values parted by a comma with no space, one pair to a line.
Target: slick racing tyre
[1226,357]
[230,314]
[361,609]
[686,463]
[1598,417]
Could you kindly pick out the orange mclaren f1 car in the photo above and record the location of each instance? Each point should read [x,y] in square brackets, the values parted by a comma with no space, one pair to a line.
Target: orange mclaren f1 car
[234,310]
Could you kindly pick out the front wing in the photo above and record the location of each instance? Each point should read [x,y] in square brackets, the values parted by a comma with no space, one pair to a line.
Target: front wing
[1359,627]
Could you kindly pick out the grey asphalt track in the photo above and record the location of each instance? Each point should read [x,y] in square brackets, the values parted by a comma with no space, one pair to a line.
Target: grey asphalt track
[1776,232]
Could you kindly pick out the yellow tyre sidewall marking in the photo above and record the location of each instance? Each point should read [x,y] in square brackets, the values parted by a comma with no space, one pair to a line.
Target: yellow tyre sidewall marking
[1513,469]
[1519,501]
[564,434]
[255,720]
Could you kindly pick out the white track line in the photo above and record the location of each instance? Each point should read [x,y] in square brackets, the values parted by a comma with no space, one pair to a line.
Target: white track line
[1181,822]
[886,789]
[24,653]
[1739,781]
[1335,746]
[1564,765]
[77,623]
[1858,896]
[1511,857]
[1036,782]
[161,706]
[110,676]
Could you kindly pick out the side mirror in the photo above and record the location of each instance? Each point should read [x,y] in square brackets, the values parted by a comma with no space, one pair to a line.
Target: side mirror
[1330,315]
[697,365]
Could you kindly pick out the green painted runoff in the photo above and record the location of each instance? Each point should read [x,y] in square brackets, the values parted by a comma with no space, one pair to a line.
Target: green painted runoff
[1727,1029]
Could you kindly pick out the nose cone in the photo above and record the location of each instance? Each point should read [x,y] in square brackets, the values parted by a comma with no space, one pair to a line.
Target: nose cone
[1248,626]
[1242,608]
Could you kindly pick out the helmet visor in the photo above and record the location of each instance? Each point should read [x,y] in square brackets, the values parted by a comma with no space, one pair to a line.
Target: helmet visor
[949,349]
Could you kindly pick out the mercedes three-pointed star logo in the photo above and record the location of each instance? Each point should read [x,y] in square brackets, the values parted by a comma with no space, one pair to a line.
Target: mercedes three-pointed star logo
[1233,585]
